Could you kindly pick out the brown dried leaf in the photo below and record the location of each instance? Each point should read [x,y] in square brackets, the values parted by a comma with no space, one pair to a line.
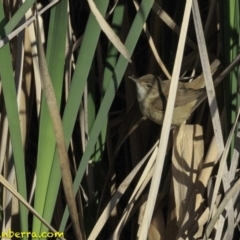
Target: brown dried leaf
[187,157]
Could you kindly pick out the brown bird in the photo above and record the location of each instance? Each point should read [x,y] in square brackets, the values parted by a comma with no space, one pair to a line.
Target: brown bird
[152,95]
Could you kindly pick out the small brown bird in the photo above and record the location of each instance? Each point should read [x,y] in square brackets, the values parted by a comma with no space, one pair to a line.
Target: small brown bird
[152,95]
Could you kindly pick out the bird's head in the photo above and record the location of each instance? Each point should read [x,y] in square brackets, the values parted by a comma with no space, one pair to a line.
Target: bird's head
[147,84]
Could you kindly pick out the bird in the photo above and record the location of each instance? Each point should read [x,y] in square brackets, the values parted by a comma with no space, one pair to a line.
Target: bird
[153,93]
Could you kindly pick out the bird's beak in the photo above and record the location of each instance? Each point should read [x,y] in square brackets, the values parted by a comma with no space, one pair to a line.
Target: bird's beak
[134,79]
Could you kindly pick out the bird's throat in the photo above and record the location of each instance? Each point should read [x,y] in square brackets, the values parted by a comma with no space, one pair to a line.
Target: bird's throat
[141,93]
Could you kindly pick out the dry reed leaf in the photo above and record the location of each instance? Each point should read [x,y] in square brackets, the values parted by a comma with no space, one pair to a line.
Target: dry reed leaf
[208,77]
[166,126]
[10,204]
[30,31]
[187,156]
[157,229]
[171,24]
[208,165]
[116,197]
[201,185]
[108,31]
[31,36]
[15,32]
[25,203]
[223,176]
[219,228]
[200,222]
[235,157]
[232,191]
[130,207]
[199,82]
[25,83]
[141,216]
[153,48]
[142,183]
[171,226]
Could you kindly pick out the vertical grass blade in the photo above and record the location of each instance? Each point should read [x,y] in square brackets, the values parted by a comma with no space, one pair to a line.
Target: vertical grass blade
[83,65]
[230,11]
[10,98]
[46,147]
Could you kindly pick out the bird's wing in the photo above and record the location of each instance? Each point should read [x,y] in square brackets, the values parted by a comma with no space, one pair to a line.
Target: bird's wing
[187,95]
[184,96]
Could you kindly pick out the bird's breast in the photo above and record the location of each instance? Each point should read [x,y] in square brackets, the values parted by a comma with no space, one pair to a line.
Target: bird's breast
[149,112]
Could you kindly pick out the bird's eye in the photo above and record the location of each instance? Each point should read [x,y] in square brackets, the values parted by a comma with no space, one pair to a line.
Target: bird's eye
[149,85]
